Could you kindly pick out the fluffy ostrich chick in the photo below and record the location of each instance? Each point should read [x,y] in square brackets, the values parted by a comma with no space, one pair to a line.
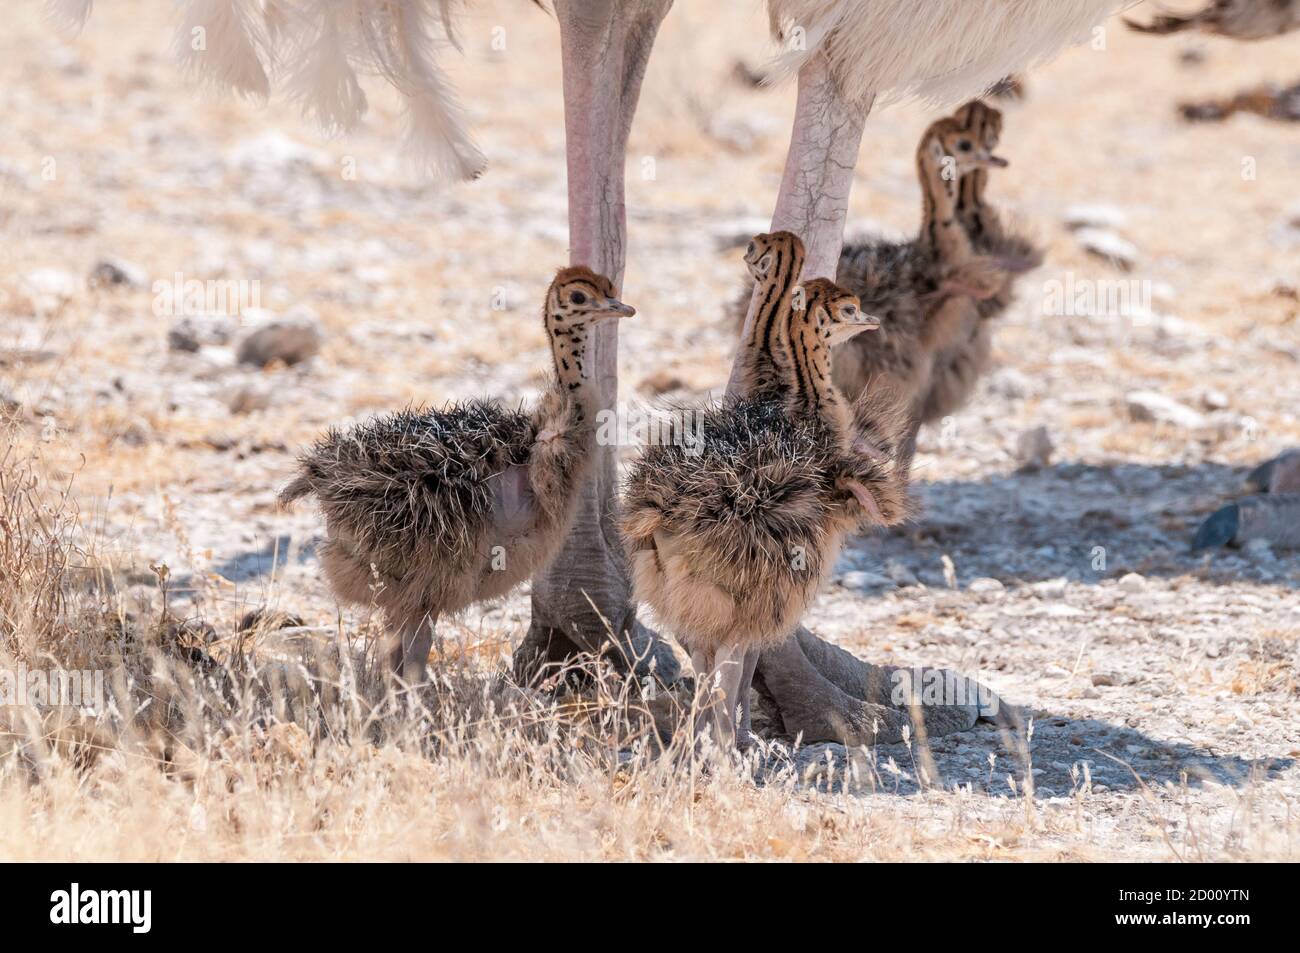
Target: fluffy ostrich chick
[958,368]
[730,542]
[430,511]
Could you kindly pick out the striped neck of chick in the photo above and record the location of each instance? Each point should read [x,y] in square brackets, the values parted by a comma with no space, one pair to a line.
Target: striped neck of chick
[947,153]
[775,261]
[578,300]
[984,125]
[824,316]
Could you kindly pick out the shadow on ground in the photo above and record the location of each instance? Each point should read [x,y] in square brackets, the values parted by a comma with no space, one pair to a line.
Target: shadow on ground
[1066,754]
[1082,522]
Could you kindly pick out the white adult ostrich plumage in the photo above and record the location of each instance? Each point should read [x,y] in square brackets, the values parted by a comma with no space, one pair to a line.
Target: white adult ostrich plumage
[942,51]
[316,51]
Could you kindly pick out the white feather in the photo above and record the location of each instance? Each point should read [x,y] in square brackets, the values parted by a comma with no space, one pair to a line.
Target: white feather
[400,46]
[71,14]
[939,50]
[315,50]
[318,70]
[224,43]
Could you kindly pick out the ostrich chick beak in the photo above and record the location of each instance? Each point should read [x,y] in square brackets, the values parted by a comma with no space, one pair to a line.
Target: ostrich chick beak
[613,308]
[989,160]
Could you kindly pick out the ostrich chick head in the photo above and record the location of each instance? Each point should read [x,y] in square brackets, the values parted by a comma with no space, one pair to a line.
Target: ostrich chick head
[765,250]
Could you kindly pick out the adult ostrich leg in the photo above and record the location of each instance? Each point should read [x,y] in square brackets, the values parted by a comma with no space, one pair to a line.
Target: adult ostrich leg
[583,602]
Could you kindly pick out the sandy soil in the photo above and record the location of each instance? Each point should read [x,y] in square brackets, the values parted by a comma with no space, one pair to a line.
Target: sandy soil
[1165,683]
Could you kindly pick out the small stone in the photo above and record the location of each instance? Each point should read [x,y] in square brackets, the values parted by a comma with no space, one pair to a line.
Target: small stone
[110,272]
[861,580]
[1034,448]
[293,338]
[249,397]
[1154,407]
[274,150]
[1132,582]
[1089,692]
[1214,400]
[1056,671]
[901,575]
[46,290]
[985,584]
[1243,721]
[193,331]
[1107,245]
[1105,679]
[1051,588]
[1094,216]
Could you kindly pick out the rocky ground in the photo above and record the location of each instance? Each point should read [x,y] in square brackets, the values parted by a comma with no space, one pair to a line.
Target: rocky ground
[1053,563]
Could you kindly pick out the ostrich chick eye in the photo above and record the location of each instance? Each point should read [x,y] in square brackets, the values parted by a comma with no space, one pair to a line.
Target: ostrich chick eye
[578,298]
[964,145]
[849,311]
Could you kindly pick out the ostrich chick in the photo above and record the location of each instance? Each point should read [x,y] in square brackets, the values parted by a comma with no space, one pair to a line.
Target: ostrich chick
[957,369]
[774,261]
[429,511]
[731,542]
[920,289]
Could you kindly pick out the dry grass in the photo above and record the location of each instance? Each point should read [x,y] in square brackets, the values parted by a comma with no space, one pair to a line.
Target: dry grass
[254,741]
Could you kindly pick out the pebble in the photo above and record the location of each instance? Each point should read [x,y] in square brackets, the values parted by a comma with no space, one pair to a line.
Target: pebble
[274,150]
[117,271]
[1094,216]
[901,575]
[1051,588]
[1056,671]
[1105,679]
[249,397]
[985,584]
[861,580]
[1034,448]
[1154,407]
[192,331]
[46,290]
[292,338]
[1105,244]
[1132,582]
[1214,400]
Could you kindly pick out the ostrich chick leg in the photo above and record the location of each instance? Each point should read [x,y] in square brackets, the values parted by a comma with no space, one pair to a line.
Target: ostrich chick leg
[410,653]
[582,603]
[722,672]
[744,732]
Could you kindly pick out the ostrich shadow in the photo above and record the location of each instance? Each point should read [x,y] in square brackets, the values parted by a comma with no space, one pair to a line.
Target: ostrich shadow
[253,565]
[1066,755]
[1082,522]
